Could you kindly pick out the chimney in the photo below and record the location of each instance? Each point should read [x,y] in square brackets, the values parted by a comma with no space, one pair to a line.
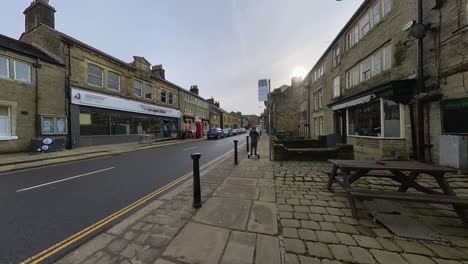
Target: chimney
[194,89]
[158,71]
[216,104]
[39,12]
[211,101]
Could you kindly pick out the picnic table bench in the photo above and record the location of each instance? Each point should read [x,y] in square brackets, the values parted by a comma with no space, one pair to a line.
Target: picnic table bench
[346,172]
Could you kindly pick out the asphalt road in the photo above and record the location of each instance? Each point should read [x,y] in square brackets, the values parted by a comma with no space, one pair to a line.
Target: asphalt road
[32,220]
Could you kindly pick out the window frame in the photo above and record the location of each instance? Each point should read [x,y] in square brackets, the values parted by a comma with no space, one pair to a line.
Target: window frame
[102,76]
[15,71]
[109,81]
[165,96]
[382,123]
[9,123]
[7,68]
[145,87]
[336,56]
[337,86]
[141,88]
[320,98]
[171,98]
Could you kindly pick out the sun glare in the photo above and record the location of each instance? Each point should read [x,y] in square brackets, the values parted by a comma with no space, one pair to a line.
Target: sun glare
[299,72]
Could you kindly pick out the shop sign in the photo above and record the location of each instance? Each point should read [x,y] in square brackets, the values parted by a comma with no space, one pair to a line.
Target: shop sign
[87,98]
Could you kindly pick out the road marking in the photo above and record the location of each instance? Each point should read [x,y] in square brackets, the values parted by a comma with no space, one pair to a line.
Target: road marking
[189,148]
[62,180]
[45,254]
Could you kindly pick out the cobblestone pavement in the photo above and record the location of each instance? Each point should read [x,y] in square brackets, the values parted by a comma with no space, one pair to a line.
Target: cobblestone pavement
[317,225]
[271,212]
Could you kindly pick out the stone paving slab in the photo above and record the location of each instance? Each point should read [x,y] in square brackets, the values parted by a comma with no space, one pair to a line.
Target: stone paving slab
[198,243]
[263,218]
[224,212]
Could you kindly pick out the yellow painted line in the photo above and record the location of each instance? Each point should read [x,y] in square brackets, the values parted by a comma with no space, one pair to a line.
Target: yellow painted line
[87,231]
[43,255]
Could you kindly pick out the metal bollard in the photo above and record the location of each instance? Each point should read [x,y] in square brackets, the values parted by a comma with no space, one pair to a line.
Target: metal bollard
[236,162]
[196,180]
[247,138]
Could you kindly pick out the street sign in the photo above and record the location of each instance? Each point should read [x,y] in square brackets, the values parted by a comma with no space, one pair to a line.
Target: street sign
[263,90]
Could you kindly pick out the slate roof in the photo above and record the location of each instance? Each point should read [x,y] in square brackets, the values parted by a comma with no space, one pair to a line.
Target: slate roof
[26,49]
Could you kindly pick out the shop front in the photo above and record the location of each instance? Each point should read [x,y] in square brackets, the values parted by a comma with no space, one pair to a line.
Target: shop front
[99,119]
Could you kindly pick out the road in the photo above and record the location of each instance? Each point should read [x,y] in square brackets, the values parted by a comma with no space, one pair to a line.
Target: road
[41,207]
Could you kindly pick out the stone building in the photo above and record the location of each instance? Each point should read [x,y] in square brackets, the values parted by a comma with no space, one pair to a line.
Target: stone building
[195,109]
[236,119]
[364,85]
[109,100]
[228,120]
[29,76]
[216,114]
[285,108]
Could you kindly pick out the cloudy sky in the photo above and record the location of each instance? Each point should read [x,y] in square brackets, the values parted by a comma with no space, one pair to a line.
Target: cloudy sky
[223,46]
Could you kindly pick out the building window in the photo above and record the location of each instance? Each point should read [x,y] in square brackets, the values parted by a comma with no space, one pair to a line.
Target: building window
[5,121]
[315,99]
[364,25]
[137,88]
[336,87]
[95,75]
[320,125]
[148,91]
[22,71]
[376,13]
[4,67]
[336,56]
[379,61]
[113,81]
[163,96]
[369,19]
[52,125]
[366,69]
[171,98]
[320,98]
[370,119]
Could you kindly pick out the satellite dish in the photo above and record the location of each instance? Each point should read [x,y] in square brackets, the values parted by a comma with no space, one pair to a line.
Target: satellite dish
[47,141]
[418,31]
[45,148]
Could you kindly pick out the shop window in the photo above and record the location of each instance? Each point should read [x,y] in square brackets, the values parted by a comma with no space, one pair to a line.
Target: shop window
[171,98]
[149,91]
[94,123]
[364,120]
[336,87]
[53,125]
[454,113]
[22,71]
[5,121]
[137,88]
[4,67]
[95,75]
[163,96]
[368,119]
[114,81]
[121,124]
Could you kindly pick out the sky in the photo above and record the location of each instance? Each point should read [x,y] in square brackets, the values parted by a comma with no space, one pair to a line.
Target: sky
[223,46]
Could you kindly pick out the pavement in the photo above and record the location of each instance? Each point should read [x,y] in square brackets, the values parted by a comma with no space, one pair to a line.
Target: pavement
[20,161]
[43,206]
[270,212]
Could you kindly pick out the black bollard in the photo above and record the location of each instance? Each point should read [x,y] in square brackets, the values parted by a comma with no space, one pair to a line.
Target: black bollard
[236,162]
[247,138]
[196,180]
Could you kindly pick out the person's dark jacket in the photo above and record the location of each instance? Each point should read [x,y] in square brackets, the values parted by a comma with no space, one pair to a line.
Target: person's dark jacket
[254,136]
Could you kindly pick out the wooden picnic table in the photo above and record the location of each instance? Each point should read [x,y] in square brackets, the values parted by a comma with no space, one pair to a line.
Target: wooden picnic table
[403,172]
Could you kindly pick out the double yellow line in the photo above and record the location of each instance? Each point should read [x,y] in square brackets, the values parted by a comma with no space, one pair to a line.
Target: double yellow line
[89,230]
[49,252]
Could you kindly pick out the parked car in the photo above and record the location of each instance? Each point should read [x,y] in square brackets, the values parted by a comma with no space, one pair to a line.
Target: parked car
[215,133]
[235,131]
[243,130]
[227,132]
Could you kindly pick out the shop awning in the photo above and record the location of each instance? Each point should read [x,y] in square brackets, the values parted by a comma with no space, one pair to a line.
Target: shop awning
[358,101]
[399,91]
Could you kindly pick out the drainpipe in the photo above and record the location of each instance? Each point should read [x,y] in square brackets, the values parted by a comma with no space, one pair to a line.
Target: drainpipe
[68,95]
[420,85]
[37,117]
